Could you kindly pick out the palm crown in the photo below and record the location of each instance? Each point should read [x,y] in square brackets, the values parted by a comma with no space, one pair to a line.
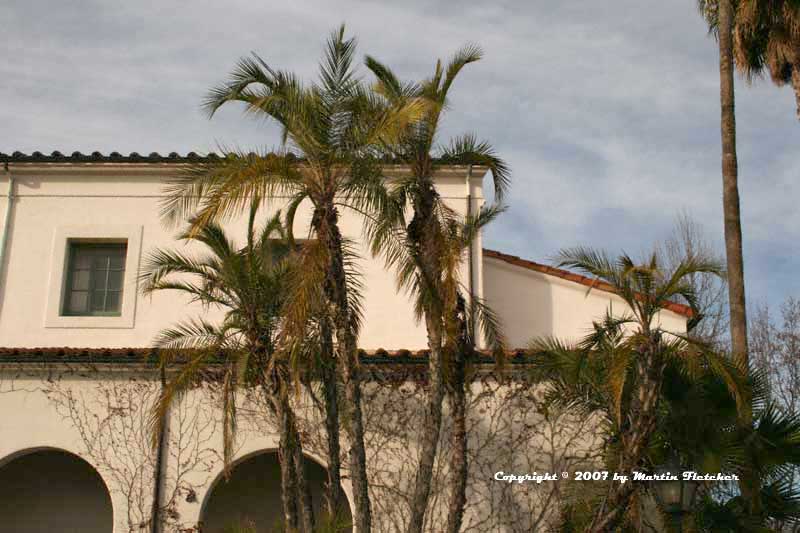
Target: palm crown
[428,250]
[331,131]
[599,369]
[766,38]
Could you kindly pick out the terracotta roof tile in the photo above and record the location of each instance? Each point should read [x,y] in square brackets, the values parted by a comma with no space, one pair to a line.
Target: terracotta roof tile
[150,355]
[97,157]
[135,157]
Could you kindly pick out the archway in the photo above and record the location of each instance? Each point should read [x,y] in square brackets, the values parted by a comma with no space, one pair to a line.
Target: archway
[252,495]
[52,490]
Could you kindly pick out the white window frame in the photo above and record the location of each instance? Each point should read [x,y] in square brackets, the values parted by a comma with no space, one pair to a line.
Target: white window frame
[62,236]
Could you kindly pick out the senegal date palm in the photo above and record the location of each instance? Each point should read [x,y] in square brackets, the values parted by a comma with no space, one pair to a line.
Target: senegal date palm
[462,322]
[618,369]
[329,130]
[249,286]
[459,322]
[425,241]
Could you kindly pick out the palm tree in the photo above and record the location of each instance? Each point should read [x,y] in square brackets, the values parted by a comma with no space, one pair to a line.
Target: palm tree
[249,286]
[720,14]
[458,325]
[730,185]
[756,33]
[617,370]
[757,36]
[329,131]
[425,238]
[459,351]
[700,423]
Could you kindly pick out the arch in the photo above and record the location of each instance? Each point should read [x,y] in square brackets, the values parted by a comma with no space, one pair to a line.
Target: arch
[47,489]
[253,492]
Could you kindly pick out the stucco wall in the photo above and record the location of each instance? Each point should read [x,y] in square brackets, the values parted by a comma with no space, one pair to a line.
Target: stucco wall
[53,203]
[96,200]
[101,414]
[533,304]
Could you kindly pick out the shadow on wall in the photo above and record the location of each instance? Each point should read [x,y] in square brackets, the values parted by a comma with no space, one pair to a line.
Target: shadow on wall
[521,299]
[7,232]
[252,496]
[51,490]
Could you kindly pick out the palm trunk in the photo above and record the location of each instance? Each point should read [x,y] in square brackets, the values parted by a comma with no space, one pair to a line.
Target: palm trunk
[347,362]
[458,438]
[354,426]
[419,232]
[635,440]
[730,187]
[303,490]
[796,86]
[288,478]
[749,483]
[431,428]
[334,498]
[295,492]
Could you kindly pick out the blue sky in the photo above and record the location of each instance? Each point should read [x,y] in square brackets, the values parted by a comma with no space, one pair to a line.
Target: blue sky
[608,112]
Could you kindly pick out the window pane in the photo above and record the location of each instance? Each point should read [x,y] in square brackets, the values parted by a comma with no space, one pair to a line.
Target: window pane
[98,298]
[80,259]
[100,260]
[77,303]
[115,278]
[113,300]
[95,278]
[80,280]
[118,258]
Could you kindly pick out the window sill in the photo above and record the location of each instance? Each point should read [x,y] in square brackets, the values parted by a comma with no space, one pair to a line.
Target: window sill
[105,322]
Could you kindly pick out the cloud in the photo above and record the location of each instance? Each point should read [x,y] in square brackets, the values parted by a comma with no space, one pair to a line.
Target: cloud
[607,112]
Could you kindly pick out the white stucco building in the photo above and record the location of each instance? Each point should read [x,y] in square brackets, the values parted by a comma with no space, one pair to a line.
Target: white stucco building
[76,384]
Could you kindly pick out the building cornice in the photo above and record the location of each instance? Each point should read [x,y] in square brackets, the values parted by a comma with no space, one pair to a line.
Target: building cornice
[156,163]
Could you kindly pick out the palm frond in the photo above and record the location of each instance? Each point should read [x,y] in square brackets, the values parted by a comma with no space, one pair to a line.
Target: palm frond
[159,264]
[248,71]
[229,419]
[467,149]
[463,57]
[192,334]
[491,327]
[336,68]
[185,378]
[223,186]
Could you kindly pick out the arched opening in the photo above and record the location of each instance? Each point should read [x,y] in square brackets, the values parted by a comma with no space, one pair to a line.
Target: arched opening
[252,496]
[52,490]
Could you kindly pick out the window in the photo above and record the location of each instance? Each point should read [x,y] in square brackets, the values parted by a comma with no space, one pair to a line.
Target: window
[94,279]
[93,271]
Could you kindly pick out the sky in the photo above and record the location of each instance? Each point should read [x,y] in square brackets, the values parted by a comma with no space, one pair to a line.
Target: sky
[607,112]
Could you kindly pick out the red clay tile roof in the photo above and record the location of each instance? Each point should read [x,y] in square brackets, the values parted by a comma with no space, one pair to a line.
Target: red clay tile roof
[150,355]
[97,157]
[680,309]
[153,157]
